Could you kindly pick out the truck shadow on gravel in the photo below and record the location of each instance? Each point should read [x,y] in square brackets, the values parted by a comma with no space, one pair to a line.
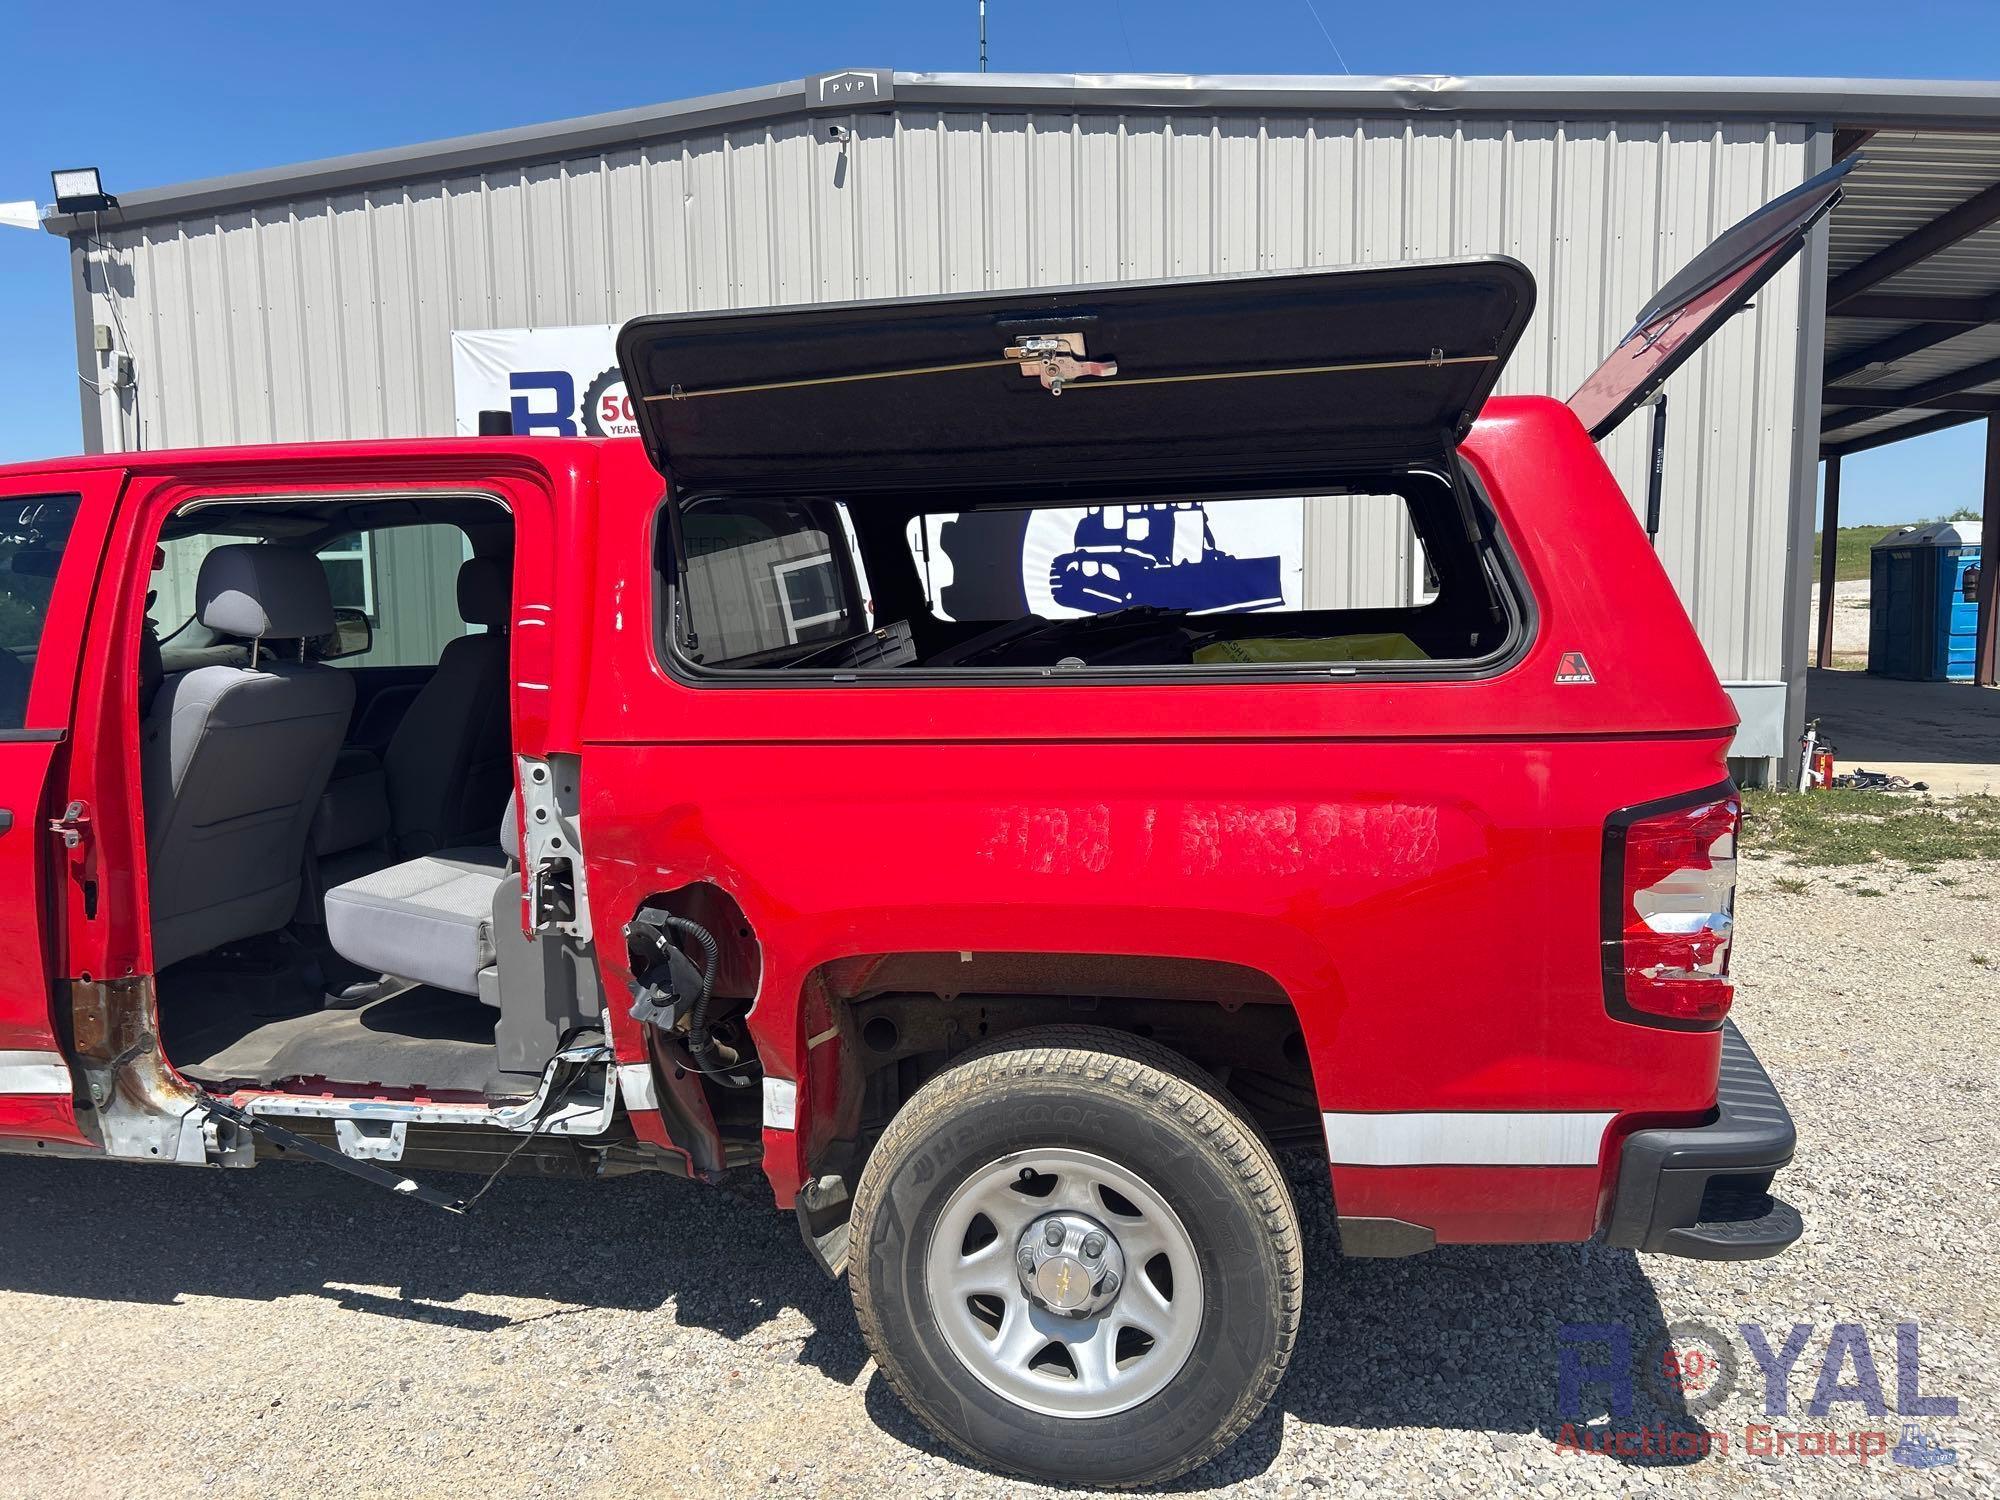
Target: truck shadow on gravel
[1464,1338]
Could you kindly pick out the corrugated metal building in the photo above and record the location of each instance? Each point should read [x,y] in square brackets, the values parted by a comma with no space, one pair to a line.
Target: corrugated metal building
[319,301]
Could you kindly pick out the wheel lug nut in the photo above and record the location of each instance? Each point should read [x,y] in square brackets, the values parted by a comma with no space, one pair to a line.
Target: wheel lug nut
[1052,1236]
[1093,1245]
[1109,1284]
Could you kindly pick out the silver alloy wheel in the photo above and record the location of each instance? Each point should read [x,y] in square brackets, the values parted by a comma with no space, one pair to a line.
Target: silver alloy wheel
[1064,1354]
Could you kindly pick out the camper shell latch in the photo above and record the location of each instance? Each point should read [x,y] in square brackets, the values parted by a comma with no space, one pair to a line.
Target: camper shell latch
[1056,359]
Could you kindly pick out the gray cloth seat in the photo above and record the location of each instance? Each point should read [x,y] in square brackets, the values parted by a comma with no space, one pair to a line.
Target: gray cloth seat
[428,919]
[449,765]
[234,759]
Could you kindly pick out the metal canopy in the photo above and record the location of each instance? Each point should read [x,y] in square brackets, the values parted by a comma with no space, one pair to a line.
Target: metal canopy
[1913,289]
[1913,321]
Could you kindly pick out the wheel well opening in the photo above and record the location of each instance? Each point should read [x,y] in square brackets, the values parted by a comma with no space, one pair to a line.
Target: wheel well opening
[884,1024]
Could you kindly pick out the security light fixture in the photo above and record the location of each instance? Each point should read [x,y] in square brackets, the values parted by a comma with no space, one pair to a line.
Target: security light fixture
[80,190]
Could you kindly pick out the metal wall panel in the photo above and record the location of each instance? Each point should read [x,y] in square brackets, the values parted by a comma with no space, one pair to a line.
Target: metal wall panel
[330,317]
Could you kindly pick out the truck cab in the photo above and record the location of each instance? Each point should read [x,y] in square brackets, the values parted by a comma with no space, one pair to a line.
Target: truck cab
[741,805]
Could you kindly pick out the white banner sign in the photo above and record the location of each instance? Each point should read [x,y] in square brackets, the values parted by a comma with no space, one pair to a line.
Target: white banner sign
[556,382]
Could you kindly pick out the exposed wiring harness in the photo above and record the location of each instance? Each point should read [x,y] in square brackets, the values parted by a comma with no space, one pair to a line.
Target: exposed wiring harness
[651,927]
[557,1096]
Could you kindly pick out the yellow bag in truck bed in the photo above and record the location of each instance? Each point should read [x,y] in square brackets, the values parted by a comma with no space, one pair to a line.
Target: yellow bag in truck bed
[1387,646]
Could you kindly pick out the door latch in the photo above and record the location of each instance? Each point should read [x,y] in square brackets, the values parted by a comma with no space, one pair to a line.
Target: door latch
[73,827]
[1057,359]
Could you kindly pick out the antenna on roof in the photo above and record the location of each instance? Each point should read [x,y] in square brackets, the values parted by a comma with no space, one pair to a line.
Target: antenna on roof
[982,36]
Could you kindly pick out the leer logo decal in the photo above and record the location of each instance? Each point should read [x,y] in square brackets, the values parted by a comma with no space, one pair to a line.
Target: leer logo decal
[1573,668]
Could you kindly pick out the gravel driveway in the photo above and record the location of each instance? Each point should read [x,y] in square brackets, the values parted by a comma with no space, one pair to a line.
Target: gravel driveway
[288,1331]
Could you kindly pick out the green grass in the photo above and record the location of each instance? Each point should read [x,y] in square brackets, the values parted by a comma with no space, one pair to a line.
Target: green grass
[1842,827]
[1852,543]
[1850,550]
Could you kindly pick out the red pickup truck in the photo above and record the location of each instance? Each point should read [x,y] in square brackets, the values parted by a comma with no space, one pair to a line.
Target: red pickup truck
[770,808]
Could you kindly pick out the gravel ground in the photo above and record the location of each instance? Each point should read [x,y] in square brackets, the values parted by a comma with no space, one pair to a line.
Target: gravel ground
[1850,617]
[287,1331]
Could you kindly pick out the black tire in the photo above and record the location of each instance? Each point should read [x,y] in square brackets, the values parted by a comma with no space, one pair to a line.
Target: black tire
[1154,1114]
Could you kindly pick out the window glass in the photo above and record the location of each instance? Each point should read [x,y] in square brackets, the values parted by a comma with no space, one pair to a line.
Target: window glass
[405,578]
[1382,575]
[172,607]
[350,572]
[765,579]
[33,533]
[1284,555]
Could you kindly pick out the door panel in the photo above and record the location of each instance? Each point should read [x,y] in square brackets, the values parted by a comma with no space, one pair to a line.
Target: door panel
[51,536]
[24,968]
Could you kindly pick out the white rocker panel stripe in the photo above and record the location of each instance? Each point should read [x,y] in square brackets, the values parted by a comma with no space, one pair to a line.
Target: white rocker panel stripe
[1467,1138]
[34,1073]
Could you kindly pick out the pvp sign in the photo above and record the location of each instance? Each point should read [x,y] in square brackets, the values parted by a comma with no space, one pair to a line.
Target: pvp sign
[557,382]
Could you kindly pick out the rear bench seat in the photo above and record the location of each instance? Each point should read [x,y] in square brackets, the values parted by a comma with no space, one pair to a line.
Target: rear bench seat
[430,919]
[453,920]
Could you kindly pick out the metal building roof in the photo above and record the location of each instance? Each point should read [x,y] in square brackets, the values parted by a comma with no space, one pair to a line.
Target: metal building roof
[1913,331]
[1874,103]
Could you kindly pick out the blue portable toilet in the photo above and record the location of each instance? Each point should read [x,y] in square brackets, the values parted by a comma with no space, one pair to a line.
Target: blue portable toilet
[1921,602]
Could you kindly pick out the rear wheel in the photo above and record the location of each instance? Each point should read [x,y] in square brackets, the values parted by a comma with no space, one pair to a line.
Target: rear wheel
[1074,1259]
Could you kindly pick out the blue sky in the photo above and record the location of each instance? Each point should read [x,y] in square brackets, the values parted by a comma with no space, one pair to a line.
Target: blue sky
[158,94]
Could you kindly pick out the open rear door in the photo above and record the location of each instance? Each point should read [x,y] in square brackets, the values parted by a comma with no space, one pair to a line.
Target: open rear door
[1700,299]
[52,528]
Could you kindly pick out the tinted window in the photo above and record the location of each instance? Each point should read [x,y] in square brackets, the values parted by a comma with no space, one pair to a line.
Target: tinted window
[405,579]
[764,580]
[33,533]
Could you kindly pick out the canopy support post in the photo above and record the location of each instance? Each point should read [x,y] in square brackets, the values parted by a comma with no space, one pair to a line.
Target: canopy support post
[1829,542]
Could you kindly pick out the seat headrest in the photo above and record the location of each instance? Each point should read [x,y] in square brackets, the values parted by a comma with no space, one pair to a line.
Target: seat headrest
[257,590]
[485,589]
[510,830]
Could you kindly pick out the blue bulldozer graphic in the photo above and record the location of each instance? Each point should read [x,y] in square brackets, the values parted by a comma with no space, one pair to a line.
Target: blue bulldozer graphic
[1162,555]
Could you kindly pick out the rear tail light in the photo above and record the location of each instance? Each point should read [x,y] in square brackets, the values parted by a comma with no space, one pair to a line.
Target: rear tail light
[1669,907]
